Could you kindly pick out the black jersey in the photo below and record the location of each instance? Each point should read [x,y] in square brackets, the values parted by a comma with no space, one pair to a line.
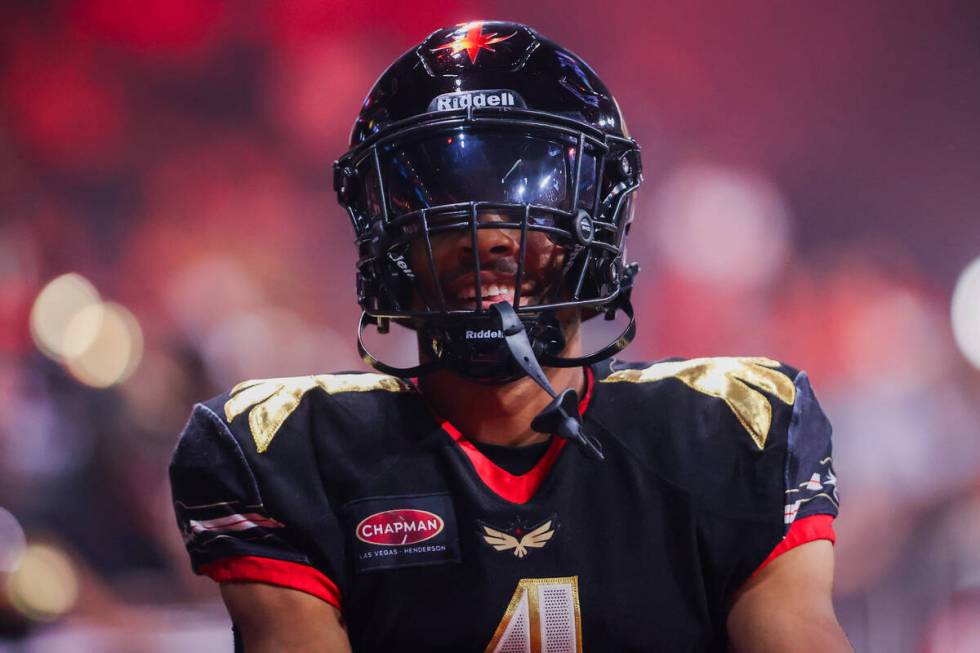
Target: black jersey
[346,486]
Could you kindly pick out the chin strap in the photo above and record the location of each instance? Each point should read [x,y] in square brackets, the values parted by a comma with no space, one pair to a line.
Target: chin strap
[610,350]
[518,342]
[368,357]
[561,416]
[620,303]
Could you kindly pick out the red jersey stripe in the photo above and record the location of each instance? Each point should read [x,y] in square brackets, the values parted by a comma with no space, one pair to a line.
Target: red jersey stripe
[281,573]
[801,531]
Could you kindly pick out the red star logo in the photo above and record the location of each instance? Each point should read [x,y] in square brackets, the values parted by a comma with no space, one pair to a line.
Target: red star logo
[473,41]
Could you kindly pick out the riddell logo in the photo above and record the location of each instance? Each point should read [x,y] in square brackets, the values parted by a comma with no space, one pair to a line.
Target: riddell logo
[399,527]
[476,99]
[483,334]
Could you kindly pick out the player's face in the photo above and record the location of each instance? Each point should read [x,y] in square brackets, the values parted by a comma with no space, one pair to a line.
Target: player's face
[498,251]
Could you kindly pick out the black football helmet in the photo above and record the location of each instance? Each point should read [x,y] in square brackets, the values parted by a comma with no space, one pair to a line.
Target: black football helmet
[489,118]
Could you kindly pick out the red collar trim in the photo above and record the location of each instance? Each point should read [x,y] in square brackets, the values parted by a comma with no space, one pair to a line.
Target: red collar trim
[512,487]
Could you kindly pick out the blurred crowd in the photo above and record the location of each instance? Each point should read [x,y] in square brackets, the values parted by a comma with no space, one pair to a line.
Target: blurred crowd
[168,229]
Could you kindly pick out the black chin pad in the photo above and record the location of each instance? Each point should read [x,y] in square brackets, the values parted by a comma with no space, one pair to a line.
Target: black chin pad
[520,346]
[561,416]
[555,417]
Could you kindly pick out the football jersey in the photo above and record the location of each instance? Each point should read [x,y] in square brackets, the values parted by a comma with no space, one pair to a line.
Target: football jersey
[348,487]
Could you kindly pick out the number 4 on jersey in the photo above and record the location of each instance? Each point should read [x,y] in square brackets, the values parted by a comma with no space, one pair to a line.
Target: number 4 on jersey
[543,616]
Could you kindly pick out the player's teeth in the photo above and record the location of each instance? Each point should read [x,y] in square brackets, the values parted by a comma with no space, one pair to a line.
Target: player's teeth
[490,290]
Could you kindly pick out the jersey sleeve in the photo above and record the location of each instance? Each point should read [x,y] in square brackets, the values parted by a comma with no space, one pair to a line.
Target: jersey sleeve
[236,526]
[810,485]
[766,500]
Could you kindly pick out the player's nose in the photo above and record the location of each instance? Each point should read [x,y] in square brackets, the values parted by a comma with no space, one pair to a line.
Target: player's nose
[491,242]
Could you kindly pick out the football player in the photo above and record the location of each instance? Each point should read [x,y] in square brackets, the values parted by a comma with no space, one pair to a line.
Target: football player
[511,492]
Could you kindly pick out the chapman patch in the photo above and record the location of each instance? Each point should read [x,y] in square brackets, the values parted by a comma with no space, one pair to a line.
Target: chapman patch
[403,531]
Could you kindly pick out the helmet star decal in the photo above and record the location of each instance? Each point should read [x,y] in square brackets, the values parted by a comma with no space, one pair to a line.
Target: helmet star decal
[473,41]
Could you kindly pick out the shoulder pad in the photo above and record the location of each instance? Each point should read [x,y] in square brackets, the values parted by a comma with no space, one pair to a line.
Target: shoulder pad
[269,402]
[735,380]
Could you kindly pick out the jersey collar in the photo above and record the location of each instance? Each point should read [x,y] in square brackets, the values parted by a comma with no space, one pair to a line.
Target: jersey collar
[516,488]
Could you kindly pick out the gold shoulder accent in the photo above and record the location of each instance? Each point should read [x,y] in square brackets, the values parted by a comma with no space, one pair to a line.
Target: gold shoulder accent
[273,400]
[729,379]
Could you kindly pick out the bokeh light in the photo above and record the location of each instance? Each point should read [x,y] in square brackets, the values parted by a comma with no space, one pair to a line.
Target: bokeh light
[230,346]
[99,343]
[113,353]
[966,312]
[55,307]
[721,225]
[82,330]
[12,541]
[44,586]
[69,110]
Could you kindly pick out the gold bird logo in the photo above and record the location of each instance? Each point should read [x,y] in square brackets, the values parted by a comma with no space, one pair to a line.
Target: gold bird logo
[535,538]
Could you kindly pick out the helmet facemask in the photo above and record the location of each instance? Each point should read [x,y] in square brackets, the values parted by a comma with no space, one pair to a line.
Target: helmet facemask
[532,209]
